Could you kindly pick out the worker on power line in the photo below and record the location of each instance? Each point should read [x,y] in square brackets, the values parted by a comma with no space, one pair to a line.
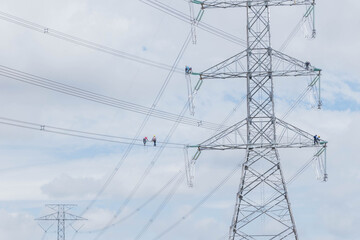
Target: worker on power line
[316,139]
[145,139]
[307,65]
[154,140]
[188,70]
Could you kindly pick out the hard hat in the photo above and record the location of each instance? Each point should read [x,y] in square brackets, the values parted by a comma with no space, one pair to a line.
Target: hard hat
[319,136]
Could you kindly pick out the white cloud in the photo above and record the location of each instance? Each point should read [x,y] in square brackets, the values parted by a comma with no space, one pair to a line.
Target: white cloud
[65,186]
[18,226]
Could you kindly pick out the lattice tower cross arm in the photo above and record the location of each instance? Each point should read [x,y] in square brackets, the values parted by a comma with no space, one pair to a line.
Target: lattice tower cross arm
[234,4]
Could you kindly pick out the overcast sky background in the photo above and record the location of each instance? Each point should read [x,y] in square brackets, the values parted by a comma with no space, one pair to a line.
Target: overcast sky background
[39,168]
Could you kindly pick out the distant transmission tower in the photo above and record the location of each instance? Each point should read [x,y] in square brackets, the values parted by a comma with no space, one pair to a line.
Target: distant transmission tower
[61,216]
[262,209]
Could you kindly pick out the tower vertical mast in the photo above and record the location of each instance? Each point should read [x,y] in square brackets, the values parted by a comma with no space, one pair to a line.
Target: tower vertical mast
[262,196]
[61,222]
[260,107]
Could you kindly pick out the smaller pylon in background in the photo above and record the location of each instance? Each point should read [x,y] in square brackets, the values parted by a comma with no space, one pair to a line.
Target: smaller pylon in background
[61,216]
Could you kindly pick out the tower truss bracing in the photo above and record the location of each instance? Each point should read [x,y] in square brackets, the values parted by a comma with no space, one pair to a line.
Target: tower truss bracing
[262,209]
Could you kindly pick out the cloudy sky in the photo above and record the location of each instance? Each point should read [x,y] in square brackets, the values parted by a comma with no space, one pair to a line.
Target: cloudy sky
[39,167]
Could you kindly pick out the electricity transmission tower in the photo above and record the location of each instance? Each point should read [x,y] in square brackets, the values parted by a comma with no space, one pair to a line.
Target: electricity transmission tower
[262,209]
[61,216]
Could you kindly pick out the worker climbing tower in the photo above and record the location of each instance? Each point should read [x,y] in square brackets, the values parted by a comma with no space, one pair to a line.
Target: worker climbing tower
[262,209]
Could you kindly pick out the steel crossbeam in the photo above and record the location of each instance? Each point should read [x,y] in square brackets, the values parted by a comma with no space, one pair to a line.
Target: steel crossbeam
[287,135]
[284,66]
[233,4]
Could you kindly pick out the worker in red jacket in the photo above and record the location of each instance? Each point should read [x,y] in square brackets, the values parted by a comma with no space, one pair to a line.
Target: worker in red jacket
[145,139]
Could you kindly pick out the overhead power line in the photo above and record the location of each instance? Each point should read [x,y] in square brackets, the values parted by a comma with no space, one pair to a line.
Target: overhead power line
[144,175]
[144,204]
[128,150]
[84,43]
[147,171]
[77,133]
[185,18]
[99,98]
[161,207]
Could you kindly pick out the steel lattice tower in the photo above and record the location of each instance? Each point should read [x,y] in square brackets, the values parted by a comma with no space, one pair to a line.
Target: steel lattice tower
[262,209]
[61,216]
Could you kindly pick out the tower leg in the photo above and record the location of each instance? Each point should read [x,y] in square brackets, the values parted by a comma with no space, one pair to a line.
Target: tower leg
[262,209]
